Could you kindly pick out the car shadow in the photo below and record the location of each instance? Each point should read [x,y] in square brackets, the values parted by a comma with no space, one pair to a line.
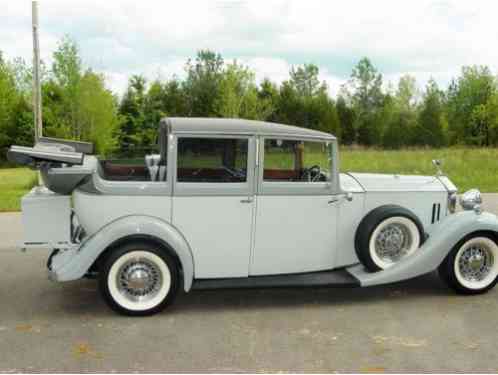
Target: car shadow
[82,297]
[427,286]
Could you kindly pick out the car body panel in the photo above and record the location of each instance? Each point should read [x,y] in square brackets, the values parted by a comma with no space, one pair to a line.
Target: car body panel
[399,183]
[95,211]
[284,240]
[219,229]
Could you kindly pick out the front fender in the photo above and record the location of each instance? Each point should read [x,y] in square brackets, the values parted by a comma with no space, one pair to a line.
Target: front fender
[444,237]
[74,264]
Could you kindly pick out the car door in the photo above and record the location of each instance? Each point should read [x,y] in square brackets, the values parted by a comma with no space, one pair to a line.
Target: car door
[213,201]
[296,214]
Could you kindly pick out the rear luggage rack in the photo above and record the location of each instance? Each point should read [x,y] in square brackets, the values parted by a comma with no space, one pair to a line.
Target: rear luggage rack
[77,146]
[38,154]
[62,169]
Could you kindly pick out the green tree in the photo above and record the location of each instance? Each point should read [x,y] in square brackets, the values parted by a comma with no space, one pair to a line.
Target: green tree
[97,109]
[346,120]
[367,98]
[394,136]
[239,97]
[67,73]
[289,109]
[174,99]
[407,93]
[492,118]
[268,91]
[430,127]
[133,116]
[202,85]
[327,118]
[304,101]
[154,110]
[8,100]
[467,101]
[305,81]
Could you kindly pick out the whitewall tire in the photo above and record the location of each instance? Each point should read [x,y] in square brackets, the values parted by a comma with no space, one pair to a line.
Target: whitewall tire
[386,236]
[472,265]
[139,279]
[393,239]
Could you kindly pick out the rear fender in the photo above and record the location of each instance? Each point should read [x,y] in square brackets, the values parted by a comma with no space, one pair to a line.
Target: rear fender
[73,264]
[444,237]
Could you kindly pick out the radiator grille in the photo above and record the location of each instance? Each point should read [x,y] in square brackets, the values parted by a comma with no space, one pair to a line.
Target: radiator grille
[436,212]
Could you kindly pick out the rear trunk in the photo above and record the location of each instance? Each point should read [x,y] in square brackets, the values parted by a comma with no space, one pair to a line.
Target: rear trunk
[46,210]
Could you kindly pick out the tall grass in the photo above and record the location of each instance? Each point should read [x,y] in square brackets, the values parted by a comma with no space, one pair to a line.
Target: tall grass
[466,167]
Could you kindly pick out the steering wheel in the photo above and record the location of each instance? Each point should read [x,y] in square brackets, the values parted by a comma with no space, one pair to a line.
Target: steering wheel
[312,174]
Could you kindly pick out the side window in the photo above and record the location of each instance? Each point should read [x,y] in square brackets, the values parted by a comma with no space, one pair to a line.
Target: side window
[297,161]
[137,163]
[212,160]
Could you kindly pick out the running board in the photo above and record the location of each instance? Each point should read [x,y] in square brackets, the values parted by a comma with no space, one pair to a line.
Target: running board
[334,278]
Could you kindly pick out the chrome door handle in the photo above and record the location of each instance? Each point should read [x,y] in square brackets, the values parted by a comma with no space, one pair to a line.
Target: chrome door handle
[348,197]
[248,200]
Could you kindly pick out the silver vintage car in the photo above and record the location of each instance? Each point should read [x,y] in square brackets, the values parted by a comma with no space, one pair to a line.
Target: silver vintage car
[230,203]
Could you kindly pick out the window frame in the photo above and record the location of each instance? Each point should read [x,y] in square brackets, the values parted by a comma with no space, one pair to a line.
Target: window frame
[297,187]
[138,188]
[214,188]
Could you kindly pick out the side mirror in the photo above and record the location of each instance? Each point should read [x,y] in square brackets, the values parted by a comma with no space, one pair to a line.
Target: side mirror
[349,196]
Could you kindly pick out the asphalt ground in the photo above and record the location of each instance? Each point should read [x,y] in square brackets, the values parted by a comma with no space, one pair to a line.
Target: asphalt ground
[418,326]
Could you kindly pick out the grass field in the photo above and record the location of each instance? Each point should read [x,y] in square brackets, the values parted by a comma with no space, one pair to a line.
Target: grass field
[14,183]
[467,168]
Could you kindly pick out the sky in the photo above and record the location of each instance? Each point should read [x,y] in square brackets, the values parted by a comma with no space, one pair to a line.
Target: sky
[155,38]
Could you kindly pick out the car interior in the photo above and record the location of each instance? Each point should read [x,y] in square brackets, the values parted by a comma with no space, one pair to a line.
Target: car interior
[211,160]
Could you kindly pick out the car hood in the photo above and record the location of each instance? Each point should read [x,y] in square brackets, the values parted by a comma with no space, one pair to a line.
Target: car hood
[393,182]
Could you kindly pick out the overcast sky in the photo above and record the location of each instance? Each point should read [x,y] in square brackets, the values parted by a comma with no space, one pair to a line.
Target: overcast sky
[422,38]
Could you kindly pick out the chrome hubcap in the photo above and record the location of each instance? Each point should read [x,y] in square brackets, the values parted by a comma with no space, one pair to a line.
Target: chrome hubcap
[392,242]
[475,263]
[139,279]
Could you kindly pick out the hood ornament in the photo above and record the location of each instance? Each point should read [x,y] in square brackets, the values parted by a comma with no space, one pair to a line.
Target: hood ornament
[438,163]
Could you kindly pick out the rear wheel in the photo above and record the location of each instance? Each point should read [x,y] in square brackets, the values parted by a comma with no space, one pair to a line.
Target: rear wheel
[472,265]
[139,279]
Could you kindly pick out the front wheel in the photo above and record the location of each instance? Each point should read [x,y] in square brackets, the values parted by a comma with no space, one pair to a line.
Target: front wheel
[472,265]
[138,279]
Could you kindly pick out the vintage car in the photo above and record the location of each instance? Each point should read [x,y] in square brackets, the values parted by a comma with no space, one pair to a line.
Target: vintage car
[229,203]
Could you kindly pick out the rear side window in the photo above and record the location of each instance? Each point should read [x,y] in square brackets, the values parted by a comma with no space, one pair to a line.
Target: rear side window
[212,160]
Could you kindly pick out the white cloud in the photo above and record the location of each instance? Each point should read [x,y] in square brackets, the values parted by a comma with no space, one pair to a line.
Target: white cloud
[424,38]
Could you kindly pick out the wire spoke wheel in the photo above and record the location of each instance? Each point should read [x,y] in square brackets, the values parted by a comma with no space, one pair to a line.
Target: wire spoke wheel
[139,279]
[475,265]
[393,240]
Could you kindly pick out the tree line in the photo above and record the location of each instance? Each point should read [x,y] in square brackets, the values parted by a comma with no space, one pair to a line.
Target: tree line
[78,105]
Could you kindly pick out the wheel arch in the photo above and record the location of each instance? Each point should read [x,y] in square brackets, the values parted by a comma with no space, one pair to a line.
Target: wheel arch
[493,234]
[130,228]
[138,238]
